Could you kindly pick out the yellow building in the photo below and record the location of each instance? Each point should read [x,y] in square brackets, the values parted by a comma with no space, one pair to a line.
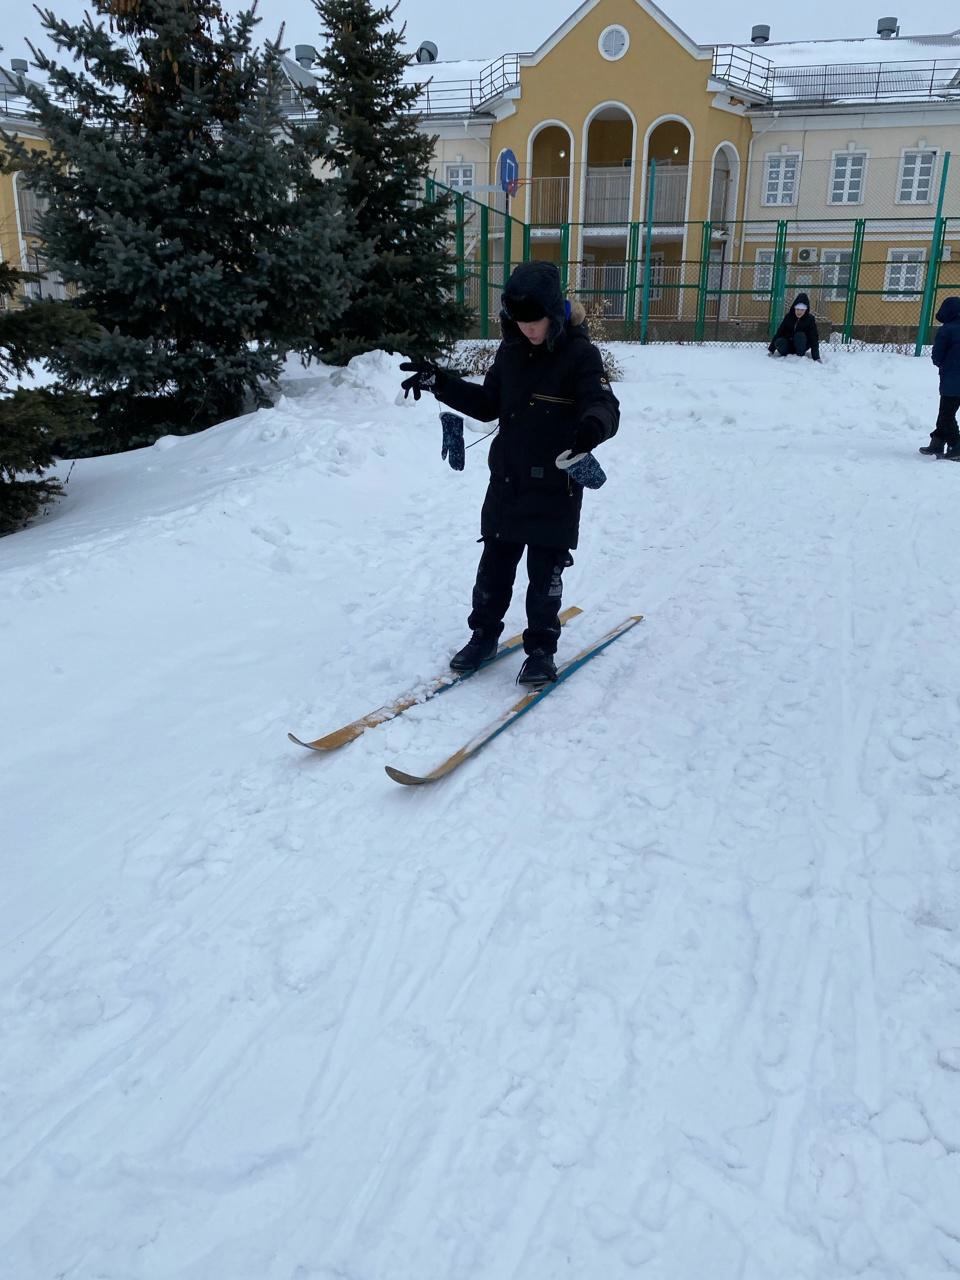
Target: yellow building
[739,173]
[20,207]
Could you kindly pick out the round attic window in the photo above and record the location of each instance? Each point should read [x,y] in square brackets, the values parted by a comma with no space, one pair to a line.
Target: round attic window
[614,42]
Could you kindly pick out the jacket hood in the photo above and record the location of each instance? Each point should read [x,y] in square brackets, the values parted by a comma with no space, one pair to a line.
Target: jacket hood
[801,297]
[539,283]
[949,310]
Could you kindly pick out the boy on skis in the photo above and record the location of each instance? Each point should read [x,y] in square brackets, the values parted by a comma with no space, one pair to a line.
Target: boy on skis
[549,393]
[946,356]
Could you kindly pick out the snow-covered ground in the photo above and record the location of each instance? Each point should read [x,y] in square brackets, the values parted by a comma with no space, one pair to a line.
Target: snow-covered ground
[664,984]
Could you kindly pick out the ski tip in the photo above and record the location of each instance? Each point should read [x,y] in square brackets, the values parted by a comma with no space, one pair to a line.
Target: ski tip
[406,779]
[310,746]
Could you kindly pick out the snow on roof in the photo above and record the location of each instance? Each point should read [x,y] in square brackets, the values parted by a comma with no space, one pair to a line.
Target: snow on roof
[12,84]
[830,71]
[441,72]
[807,53]
[302,78]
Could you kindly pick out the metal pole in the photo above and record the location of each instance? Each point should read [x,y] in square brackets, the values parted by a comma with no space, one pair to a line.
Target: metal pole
[647,264]
[853,284]
[507,248]
[461,251]
[933,273]
[723,267]
[779,280]
[633,255]
[565,256]
[526,242]
[484,271]
[703,282]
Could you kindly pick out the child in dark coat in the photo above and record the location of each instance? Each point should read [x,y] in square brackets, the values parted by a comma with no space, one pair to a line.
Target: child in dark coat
[548,391]
[946,356]
[798,331]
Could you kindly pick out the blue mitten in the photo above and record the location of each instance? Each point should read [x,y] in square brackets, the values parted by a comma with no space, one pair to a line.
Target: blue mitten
[453,447]
[582,467]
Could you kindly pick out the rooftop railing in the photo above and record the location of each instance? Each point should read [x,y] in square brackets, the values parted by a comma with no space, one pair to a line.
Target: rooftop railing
[838,82]
[743,67]
[463,97]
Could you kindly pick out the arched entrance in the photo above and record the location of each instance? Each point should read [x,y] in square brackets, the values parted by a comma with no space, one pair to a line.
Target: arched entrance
[550,160]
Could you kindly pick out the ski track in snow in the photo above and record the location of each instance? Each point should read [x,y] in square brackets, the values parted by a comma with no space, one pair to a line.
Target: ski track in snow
[662,984]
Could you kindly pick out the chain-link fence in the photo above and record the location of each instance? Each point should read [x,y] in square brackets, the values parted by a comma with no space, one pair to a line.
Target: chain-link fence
[662,277]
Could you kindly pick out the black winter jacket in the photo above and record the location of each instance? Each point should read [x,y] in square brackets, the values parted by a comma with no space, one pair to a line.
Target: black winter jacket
[540,395]
[791,324]
[946,347]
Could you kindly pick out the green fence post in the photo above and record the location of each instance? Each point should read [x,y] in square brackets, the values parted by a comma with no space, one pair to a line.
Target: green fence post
[633,255]
[703,282]
[484,271]
[507,248]
[853,283]
[461,251]
[779,281]
[430,194]
[565,256]
[526,242]
[933,272]
[648,247]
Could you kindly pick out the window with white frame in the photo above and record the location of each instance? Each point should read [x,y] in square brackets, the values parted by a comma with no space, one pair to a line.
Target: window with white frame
[763,272]
[904,276]
[835,274]
[460,176]
[915,185]
[781,178]
[32,207]
[846,178]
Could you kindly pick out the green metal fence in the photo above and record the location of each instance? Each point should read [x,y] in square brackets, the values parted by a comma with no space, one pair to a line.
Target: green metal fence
[876,280]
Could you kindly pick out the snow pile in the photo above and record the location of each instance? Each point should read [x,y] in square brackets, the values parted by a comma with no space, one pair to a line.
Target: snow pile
[663,984]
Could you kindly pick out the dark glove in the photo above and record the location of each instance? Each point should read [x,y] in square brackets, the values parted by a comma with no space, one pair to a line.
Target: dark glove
[453,447]
[587,436]
[423,377]
[586,470]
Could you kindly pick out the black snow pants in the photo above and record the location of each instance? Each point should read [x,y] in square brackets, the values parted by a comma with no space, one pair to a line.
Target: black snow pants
[494,587]
[797,345]
[946,428]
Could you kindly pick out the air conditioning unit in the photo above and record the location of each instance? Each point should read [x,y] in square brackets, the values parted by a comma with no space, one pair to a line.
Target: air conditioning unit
[806,255]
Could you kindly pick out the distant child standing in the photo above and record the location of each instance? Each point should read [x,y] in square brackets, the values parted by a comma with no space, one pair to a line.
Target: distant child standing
[946,356]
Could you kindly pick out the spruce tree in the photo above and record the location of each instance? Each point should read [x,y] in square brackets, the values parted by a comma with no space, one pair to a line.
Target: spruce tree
[404,301]
[184,211]
[32,419]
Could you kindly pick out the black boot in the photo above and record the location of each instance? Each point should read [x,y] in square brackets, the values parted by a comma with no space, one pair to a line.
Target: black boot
[480,648]
[934,448]
[539,669]
[953,453]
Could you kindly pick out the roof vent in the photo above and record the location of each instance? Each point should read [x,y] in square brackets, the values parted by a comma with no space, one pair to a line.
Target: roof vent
[428,52]
[19,66]
[887,27]
[306,55]
[760,34]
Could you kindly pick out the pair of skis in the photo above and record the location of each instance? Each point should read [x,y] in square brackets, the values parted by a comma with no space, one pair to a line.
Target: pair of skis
[349,732]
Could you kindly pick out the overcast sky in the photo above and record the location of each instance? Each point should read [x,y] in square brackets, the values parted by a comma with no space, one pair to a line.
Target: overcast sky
[487,28]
